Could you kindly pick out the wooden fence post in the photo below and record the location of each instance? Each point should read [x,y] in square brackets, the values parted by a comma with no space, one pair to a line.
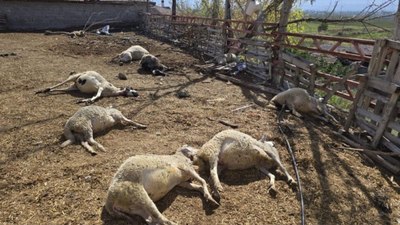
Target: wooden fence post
[363,83]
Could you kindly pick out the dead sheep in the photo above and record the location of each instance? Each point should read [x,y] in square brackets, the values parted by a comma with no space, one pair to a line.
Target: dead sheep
[135,52]
[92,119]
[149,63]
[91,82]
[234,150]
[143,179]
[300,102]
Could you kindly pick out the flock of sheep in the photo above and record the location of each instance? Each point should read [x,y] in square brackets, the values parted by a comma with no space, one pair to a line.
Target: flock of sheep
[143,179]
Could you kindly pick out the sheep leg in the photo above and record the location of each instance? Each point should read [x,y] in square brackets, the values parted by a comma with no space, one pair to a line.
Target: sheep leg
[70,138]
[290,179]
[292,108]
[271,178]
[278,161]
[73,87]
[92,99]
[128,121]
[93,142]
[197,177]
[88,147]
[129,198]
[69,79]
[149,210]
[192,186]
[216,184]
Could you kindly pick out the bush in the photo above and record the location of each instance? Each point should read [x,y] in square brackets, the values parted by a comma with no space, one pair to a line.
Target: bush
[323,27]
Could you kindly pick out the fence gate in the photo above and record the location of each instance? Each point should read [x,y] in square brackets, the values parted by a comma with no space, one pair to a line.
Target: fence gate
[376,105]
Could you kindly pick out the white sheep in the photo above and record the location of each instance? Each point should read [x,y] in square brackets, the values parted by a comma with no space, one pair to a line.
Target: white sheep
[135,52]
[143,179]
[234,150]
[300,102]
[92,119]
[91,82]
[149,63]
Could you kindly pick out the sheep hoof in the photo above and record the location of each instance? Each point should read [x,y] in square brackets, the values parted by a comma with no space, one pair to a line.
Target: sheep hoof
[214,202]
[272,191]
[293,184]
[216,197]
[86,101]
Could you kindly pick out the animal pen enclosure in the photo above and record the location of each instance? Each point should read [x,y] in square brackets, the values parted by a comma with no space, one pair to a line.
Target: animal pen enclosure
[42,183]
[375,99]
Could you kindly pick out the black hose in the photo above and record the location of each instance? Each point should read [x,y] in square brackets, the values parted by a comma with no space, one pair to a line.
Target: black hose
[303,220]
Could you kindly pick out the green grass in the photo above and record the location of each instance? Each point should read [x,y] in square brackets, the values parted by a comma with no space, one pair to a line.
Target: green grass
[354,29]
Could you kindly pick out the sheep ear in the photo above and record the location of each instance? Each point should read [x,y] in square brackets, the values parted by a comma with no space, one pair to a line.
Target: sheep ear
[188,151]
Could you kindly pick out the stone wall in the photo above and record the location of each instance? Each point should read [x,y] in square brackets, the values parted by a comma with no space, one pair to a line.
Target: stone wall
[61,15]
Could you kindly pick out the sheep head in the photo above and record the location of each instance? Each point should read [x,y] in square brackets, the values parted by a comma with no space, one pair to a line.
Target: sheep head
[129,92]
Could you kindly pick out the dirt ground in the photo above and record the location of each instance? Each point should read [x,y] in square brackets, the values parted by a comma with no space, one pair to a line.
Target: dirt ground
[40,183]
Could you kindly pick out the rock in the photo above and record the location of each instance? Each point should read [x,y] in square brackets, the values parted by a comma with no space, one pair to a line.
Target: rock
[182,94]
[122,76]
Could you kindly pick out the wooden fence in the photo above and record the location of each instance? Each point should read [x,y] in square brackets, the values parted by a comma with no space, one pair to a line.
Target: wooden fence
[376,106]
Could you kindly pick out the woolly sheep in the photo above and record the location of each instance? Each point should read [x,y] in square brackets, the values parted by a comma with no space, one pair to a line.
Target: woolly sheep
[135,52]
[92,119]
[300,102]
[149,63]
[143,179]
[234,150]
[91,82]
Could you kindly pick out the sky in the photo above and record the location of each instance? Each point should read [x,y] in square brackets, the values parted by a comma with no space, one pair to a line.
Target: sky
[344,5]
[324,5]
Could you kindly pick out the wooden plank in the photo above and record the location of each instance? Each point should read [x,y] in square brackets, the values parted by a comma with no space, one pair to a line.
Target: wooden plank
[392,138]
[394,125]
[354,142]
[393,66]
[366,126]
[382,85]
[379,59]
[377,96]
[255,66]
[258,54]
[351,115]
[368,114]
[296,61]
[394,44]
[388,110]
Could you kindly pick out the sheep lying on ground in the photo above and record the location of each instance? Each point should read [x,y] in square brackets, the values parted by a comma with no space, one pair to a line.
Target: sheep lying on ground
[149,63]
[143,179]
[135,52]
[234,150]
[91,82]
[300,102]
[92,119]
